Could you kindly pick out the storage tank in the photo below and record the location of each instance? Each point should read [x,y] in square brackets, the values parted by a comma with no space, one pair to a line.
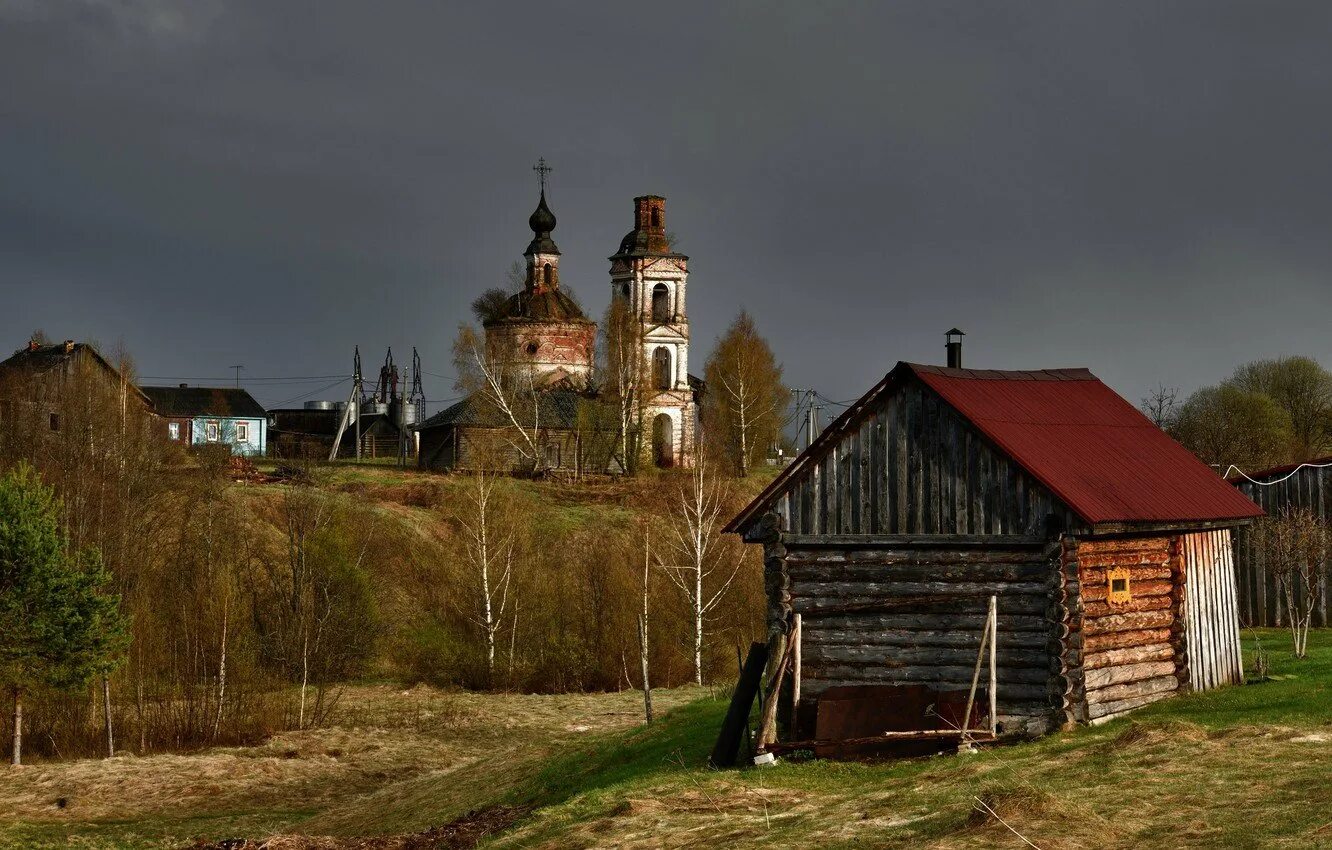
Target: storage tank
[341,407]
[320,405]
[404,413]
[375,408]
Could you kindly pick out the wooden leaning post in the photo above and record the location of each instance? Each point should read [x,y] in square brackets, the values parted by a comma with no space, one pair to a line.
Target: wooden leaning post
[990,640]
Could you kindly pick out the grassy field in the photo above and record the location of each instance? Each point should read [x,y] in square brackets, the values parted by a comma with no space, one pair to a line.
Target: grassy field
[1241,767]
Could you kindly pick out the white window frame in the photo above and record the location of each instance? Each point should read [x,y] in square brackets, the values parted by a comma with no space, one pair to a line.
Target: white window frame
[173,430]
[212,431]
[242,432]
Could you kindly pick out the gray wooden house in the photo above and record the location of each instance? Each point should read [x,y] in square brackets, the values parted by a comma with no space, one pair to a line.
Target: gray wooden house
[1105,543]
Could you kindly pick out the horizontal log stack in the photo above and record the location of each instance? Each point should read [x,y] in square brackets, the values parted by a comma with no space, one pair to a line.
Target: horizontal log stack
[1118,656]
[915,615]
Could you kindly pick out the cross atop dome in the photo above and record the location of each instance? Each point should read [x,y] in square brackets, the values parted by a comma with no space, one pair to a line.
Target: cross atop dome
[542,170]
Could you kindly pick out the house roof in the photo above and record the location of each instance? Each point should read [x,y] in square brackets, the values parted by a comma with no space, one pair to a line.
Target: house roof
[225,402]
[43,358]
[556,408]
[1090,447]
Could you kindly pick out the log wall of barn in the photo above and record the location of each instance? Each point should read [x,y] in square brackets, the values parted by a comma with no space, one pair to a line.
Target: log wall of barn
[914,466]
[1119,656]
[1260,602]
[915,614]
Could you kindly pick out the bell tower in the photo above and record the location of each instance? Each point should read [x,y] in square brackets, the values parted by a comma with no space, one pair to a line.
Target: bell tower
[652,277]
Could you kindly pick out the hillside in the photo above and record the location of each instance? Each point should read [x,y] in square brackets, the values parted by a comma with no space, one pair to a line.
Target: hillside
[425,768]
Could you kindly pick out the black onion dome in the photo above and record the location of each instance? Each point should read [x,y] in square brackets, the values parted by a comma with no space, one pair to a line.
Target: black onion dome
[542,222]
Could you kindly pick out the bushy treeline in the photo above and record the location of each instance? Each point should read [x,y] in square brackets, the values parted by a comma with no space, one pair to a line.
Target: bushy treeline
[248,603]
[1267,413]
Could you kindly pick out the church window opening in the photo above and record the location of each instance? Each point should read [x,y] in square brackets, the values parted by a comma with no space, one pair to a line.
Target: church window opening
[532,348]
[547,275]
[661,303]
[656,218]
[661,369]
[663,440]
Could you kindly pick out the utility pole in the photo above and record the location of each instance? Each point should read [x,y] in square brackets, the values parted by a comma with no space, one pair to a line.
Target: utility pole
[237,368]
[358,397]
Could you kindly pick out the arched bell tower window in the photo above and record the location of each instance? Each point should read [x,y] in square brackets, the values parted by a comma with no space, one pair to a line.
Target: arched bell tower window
[656,218]
[661,368]
[547,275]
[663,441]
[661,303]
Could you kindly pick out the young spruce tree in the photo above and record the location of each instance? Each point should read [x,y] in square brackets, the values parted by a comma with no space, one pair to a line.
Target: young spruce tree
[59,626]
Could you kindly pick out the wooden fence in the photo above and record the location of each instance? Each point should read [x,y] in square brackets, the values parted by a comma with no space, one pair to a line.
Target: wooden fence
[1261,602]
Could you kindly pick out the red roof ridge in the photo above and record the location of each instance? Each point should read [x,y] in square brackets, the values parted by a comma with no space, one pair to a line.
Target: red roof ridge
[1071,373]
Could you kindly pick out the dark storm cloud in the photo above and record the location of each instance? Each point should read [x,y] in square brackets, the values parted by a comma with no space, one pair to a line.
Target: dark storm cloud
[1143,189]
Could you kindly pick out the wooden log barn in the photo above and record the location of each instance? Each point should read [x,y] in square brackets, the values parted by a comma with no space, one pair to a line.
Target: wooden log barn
[1104,543]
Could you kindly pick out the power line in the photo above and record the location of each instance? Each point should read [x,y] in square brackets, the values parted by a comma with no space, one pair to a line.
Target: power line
[1279,480]
[290,379]
[310,393]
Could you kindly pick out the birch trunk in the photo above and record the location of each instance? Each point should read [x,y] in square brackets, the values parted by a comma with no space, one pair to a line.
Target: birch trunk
[17,758]
[221,671]
[106,711]
[643,632]
[305,678]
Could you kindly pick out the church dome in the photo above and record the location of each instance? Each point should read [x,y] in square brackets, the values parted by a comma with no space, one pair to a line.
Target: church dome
[554,305]
[542,222]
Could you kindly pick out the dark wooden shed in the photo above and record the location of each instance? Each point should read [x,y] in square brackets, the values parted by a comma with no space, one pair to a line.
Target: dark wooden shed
[1105,543]
[1297,485]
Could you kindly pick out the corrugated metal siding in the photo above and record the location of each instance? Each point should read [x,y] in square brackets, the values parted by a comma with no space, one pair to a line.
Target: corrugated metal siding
[1260,603]
[1211,608]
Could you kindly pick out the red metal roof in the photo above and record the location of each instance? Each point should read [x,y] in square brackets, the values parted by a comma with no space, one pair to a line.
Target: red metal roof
[1096,452]
[1099,454]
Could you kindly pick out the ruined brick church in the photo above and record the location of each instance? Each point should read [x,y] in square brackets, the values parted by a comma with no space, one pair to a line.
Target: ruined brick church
[543,330]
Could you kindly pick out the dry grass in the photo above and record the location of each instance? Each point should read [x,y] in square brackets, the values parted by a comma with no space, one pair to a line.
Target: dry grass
[385,746]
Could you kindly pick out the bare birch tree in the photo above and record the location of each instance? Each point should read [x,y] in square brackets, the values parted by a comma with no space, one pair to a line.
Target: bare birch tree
[694,559]
[746,400]
[489,551]
[626,377]
[501,383]
[1296,544]
[643,624]
[1161,406]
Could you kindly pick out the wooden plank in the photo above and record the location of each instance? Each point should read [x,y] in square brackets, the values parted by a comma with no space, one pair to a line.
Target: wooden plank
[727,749]
[1129,690]
[827,633]
[924,540]
[1126,673]
[1127,655]
[924,656]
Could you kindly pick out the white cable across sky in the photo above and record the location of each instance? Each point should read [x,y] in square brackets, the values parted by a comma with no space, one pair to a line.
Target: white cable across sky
[1279,480]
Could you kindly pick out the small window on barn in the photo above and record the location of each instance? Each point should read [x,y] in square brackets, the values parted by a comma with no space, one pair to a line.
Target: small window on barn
[1120,590]
[173,430]
[55,422]
[552,455]
[242,432]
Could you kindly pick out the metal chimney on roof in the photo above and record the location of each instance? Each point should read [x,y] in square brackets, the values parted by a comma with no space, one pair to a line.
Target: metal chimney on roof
[954,346]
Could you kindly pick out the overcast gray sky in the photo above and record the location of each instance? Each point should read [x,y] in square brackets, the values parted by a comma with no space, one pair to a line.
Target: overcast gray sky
[1141,188]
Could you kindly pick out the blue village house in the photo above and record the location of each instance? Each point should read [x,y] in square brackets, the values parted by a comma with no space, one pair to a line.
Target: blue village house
[200,416]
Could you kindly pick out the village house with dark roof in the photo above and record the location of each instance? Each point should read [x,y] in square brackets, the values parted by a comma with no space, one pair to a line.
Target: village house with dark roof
[1105,545]
[197,416]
